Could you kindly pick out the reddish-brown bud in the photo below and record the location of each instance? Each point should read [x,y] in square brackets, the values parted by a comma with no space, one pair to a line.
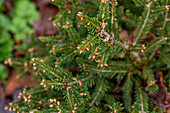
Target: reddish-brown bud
[81,51]
[96,53]
[105,65]
[81,18]
[87,48]
[79,14]
[83,42]
[98,61]
[88,23]
[78,47]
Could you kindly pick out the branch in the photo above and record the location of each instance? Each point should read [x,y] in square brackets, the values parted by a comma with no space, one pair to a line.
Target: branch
[166,15]
[152,54]
[141,98]
[108,37]
[69,99]
[100,70]
[136,55]
[77,81]
[156,43]
[146,19]
[100,89]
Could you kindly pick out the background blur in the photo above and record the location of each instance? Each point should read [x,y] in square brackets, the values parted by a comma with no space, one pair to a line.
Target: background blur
[21,23]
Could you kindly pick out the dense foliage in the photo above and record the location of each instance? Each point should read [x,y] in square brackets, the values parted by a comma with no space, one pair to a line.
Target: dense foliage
[104,59]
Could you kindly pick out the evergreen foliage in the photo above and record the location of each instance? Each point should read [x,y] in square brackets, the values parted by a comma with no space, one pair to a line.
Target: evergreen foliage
[92,68]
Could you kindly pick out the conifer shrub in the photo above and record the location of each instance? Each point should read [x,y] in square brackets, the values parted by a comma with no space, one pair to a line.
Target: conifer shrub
[110,56]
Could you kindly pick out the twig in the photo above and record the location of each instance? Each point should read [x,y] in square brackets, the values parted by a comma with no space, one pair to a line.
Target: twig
[146,19]
[69,99]
[155,44]
[141,97]
[100,89]
[114,40]
[116,71]
[163,56]
[108,37]
[152,54]
[166,15]
[117,86]
[77,81]
[136,55]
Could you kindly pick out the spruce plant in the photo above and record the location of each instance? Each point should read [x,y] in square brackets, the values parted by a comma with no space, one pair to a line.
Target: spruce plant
[111,56]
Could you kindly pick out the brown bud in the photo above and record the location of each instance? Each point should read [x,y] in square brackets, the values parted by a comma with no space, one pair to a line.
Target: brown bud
[87,48]
[51,100]
[81,51]
[34,64]
[6,108]
[55,100]
[44,70]
[51,105]
[81,94]
[29,101]
[78,47]
[79,14]
[34,68]
[102,1]
[80,84]
[10,104]
[83,42]
[29,96]
[81,18]
[10,109]
[45,86]
[98,61]
[88,23]
[96,53]
[105,64]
